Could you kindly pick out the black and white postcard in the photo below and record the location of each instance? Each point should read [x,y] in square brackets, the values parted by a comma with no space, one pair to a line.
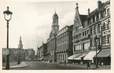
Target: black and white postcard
[54,35]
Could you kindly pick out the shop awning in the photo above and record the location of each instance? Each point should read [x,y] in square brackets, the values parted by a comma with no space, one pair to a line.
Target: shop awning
[40,58]
[104,53]
[90,55]
[73,56]
[81,55]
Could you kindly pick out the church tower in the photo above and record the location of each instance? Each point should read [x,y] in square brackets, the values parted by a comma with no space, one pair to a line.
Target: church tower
[55,25]
[20,46]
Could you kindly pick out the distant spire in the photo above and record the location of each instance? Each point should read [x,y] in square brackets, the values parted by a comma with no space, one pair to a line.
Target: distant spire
[20,43]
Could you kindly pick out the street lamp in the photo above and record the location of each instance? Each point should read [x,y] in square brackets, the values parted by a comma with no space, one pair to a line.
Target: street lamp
[55,48]
[7,17]
[19,53]
[97,42]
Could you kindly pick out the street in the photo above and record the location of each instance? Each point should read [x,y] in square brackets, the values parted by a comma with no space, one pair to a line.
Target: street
[35,65]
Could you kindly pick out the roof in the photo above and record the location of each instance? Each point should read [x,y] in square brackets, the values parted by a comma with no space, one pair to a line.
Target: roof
[83,18]
[93,12]
[97,10]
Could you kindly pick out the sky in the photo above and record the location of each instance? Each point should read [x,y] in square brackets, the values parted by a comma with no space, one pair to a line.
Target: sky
[32,19]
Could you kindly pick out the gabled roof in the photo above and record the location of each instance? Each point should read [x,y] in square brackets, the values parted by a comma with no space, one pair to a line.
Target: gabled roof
[83,18]
[79,18]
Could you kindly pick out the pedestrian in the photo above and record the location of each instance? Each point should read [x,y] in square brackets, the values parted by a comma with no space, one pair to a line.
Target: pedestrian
[88,65]
[102,63]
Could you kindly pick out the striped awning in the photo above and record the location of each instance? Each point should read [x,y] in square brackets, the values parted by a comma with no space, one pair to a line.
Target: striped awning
[81,56]
[73,56]
[90,55]
[104,53]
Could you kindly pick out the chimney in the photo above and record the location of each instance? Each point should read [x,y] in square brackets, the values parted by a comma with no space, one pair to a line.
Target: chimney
[88,11]
[99,4]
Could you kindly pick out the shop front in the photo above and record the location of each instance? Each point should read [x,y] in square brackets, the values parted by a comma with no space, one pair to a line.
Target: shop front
[104,57]
[77,58]
[90,56]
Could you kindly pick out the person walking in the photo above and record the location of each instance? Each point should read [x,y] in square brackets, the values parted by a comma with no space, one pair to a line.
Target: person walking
[88,65]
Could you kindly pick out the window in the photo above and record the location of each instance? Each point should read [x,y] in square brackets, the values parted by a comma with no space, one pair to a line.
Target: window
[99,28]
[108,12]
[104,40]
[108,24]
[101,14]
[108,39]
[87,31]
[103,27]
[83,33]
[93,19]
[97,17]
[80,35]
[94,29]
[104,12]
[86,45]
[88,21]
[78,47]
[91,30]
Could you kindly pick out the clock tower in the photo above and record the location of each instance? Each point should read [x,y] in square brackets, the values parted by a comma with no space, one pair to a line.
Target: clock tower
[55,26]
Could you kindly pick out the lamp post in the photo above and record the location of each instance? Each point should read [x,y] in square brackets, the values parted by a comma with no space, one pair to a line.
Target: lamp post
[7,17]
[19,53]
[55,48]
[97,42]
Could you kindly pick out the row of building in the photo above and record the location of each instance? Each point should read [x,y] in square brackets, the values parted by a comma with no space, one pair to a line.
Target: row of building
[18,54]
[87,40]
